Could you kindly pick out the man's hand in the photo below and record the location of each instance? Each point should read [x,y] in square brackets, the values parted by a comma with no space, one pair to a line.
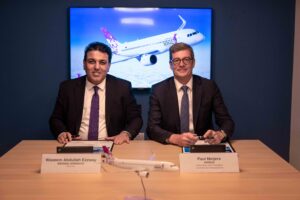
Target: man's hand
[214,137]
[184,139]
[120,139]
[64,137]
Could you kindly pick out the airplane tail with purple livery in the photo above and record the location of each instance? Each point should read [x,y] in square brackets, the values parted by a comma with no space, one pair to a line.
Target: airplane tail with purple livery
[113,43]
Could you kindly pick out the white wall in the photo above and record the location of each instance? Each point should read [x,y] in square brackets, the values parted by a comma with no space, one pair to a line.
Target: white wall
[295,114]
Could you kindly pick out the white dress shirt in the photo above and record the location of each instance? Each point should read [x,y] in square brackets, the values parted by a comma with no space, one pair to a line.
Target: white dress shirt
[88,94]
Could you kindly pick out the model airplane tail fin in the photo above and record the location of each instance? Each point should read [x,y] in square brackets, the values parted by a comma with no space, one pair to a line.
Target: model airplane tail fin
[113,43]
[108,155]
[106,150]
[152,156]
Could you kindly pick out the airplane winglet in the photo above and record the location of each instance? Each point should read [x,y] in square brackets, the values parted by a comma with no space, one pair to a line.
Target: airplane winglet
[183,23]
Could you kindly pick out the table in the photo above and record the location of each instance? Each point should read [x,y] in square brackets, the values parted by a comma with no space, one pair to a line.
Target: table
[264,175]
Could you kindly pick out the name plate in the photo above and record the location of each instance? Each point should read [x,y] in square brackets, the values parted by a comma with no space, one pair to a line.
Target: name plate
[209,162]
[71,163]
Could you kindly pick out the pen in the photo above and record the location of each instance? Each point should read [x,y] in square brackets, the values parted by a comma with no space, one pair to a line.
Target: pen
[66,142]
[75,137]
[201,137]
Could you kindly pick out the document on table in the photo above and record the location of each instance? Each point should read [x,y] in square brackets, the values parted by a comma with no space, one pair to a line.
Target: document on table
[97,144]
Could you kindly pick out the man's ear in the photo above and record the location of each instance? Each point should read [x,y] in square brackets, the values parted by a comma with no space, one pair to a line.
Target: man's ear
[108,67]
[171,66]
[194,62]
[83,63]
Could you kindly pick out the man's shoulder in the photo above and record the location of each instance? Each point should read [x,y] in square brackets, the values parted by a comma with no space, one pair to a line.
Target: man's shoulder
[163,84]
[116,81]
[73,82]
[199,80]
[114,78]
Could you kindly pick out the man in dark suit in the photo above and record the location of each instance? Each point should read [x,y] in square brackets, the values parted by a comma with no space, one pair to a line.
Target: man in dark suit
[98,105]
[181,107]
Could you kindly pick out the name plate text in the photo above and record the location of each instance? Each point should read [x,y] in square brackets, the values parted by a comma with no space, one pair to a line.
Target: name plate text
[209,162]
[71,163]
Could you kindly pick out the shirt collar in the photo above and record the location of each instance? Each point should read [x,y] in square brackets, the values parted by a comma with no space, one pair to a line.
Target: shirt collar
[178,85]
[90,85]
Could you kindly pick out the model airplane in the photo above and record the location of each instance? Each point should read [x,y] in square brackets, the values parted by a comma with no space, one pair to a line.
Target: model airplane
[146,49]
[141,167]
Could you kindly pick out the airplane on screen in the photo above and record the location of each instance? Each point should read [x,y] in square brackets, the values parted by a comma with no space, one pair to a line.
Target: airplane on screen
[141,167]
[146,49]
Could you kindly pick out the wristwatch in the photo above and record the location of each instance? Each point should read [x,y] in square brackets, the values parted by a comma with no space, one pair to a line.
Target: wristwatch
[167,141]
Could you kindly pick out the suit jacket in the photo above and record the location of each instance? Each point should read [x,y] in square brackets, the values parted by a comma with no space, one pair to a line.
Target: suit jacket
[164,119]
[121,110]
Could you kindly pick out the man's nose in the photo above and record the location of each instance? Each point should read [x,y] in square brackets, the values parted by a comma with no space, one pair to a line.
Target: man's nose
[97,65]
[181,64]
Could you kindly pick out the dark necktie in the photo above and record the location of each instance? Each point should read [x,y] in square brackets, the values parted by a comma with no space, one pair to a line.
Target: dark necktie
[94,116]
[184,113]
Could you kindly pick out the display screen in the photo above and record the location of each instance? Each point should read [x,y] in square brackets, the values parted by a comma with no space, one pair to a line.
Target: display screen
[140,39]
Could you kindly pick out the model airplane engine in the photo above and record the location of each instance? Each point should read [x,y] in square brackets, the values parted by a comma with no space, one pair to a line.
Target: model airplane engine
[148,59]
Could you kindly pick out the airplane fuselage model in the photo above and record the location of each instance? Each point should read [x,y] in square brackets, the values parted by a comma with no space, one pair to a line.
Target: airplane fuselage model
[141,167]
[146,49]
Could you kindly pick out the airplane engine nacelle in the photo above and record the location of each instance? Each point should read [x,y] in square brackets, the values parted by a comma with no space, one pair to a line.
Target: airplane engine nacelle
[148,59]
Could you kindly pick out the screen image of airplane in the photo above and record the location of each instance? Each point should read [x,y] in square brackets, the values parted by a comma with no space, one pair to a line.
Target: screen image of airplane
[140,39]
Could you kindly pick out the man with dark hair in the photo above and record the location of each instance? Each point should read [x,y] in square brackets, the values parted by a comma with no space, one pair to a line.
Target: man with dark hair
[181,107]
[98,105]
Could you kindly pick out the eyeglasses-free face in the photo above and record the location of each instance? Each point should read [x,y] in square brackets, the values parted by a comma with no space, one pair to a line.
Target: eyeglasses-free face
[96,66]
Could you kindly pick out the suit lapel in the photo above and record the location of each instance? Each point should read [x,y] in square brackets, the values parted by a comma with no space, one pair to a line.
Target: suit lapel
[108,100]
[173,101]
[197,93]
[79,100]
